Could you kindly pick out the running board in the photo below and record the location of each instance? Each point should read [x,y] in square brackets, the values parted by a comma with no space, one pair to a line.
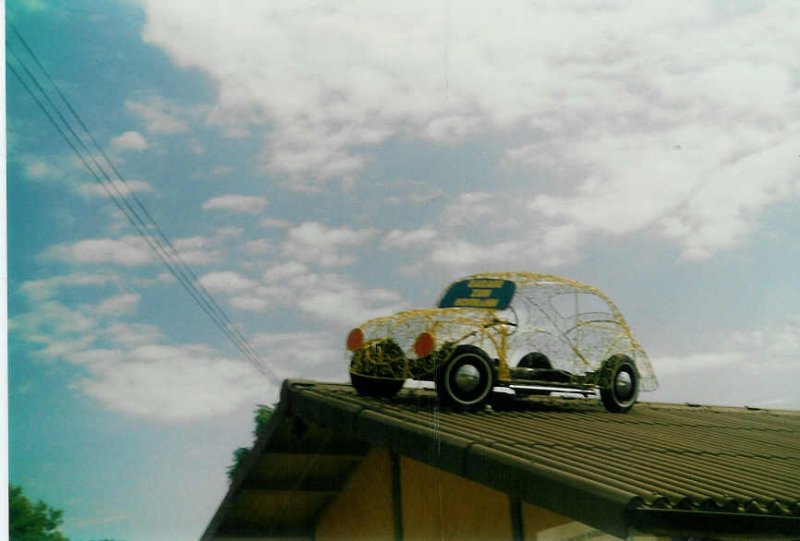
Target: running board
[584,389]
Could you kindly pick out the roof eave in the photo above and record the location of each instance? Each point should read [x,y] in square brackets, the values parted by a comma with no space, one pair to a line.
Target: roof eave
[275,420]
[688,522]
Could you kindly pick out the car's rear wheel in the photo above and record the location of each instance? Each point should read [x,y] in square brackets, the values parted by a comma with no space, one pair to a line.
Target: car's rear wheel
[537,360]
[376,387]
[465,382]
[620,386]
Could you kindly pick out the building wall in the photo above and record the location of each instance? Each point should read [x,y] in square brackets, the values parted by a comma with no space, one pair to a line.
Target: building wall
[442,506]
[536,520]
[363,509]
[390,497]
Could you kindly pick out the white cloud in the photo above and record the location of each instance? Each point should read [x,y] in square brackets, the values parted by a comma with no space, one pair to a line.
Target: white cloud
[250,303]
[313,242]
[412,199]
[125,303]
[256,247]
[64,169]
[158,115]
[669,367]
[43,289]
[236,203]
[314,355]
[120,188]
[336,300]
[453,129]
[127,251]
[708,201]
[228,233]
[58,349]
[275,223]
[377,70]
[755,367]
[131,251]
[36,168]
[402,239]
[284,271]
[59,330]
[326,296]
[132,334]
[169,383]
[198,250]
[226,282]
[165,278]
[631,131]
[128,370]
[197,147]
[707,195]
[774,345]
[479,231]
[485,208]
[221,170]
[129,140]
[54,327]
[467,255]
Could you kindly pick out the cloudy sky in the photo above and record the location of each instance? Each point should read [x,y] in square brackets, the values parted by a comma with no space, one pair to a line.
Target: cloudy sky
[318,165]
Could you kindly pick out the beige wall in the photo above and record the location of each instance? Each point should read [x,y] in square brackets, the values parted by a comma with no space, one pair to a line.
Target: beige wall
[435,505]
[535,520]
[442,506]
[363,509]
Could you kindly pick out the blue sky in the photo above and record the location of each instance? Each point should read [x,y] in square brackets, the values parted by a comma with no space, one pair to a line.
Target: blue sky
[319,165]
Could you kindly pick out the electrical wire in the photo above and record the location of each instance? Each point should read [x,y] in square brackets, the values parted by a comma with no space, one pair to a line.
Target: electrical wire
[163,238]
[128,203]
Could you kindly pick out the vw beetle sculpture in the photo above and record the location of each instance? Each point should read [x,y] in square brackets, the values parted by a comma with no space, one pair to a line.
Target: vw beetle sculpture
[497,334]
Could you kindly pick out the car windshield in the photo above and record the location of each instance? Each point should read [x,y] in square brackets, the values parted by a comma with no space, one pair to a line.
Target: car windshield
[489,293]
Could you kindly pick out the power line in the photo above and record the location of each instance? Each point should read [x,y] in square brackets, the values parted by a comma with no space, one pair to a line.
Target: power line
[177,268]
[128,203]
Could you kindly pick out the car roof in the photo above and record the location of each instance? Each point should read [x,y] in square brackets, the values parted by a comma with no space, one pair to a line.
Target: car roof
[531,279]
[525,280]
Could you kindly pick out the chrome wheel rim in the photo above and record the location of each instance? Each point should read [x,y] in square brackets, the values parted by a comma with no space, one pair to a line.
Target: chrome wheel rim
[467,378]
[623,385]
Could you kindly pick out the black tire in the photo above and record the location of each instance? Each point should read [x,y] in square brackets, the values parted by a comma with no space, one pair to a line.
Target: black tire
[621,385]
[465,382]
[376,387]
[536,359]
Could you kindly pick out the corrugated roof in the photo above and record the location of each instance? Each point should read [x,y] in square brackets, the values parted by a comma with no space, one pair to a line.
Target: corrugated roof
[658,468]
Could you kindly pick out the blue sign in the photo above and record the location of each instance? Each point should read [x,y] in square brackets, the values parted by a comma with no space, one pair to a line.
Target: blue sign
[489,293]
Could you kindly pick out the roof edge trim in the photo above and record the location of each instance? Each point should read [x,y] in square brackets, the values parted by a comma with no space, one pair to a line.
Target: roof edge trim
[670,521]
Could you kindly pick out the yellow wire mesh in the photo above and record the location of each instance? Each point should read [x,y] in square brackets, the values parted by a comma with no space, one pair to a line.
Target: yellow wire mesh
[574,324]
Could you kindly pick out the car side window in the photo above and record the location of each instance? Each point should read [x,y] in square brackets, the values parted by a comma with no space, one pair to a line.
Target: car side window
[581,307]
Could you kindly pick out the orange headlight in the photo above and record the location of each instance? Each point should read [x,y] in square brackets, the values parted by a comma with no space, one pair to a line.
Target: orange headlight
[355,339]
[425,344]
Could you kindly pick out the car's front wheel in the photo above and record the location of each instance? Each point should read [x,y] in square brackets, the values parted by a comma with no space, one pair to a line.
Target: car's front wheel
[466,380]
[377,369]
[376,387]
[620,386]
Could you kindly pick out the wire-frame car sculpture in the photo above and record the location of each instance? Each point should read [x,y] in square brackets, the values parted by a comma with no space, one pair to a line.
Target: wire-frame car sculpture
[497,334]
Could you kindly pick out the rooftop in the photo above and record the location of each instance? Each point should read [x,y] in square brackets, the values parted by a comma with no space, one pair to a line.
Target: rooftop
[660,468]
